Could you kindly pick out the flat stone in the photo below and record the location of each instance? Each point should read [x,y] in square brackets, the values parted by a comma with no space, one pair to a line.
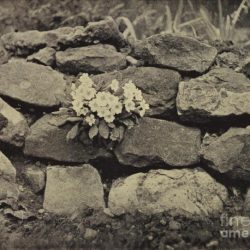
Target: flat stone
[156,141]
[184,191]
[159,86]
[36,178]
[7,170]
[48,141]
[177,52]
[29,83]
[13,125]
[71,189]
[221,93]
[229,153]
[91,59]
[28,42]
[44,56]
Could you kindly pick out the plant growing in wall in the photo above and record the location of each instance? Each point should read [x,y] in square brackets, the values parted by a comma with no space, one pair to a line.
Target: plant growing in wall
[104,111]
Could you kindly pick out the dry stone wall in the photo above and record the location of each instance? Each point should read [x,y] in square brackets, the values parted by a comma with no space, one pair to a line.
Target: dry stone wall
[189,85]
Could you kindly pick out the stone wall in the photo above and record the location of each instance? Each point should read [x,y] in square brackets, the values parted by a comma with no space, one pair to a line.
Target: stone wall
[199,98]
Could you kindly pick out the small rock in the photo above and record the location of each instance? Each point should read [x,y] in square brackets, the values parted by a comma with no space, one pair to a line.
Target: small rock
[183,192]
[70,189]
[177,52]
[90,234]
[39,144]
[174,225]
[91,59]
[29,83]
[220,93]
[36,178]
[229,59]
[212,244]
[229,153]
[13,126]
[44,56]
[156,141]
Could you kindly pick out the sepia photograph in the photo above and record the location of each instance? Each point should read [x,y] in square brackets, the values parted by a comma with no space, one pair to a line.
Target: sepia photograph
[125,124]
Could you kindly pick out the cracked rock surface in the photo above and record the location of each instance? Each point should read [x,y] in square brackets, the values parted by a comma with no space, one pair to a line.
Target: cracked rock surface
[218,94]
[183,191]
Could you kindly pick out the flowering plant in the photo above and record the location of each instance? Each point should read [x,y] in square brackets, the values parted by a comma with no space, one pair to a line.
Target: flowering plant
[105,111]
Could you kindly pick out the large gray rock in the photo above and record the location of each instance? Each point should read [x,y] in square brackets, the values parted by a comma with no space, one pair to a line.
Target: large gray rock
[72,189]
[35,178]
[45,56]
[221,93]
[48,141]
[25,43]
[176,52]
[31,83]
[8,187]
[156,141]
[159,86]
[91,59]
[13,125]
[229,153]
[182,191]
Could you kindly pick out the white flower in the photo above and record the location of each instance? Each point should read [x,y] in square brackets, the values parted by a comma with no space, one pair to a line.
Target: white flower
[114,85]
[84,111]
[109,118]
[86,81]
[117,108]
[90,119]
[93,104]
[102,99]
[102,112]
[129,105]
[77,106]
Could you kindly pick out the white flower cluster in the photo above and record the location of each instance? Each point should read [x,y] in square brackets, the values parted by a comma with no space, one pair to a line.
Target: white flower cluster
[107,104]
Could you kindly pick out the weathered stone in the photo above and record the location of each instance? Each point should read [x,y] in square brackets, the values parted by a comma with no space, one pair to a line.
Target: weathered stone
[247,203]
[36,178]
[184,191]
[7,170]
[8,187]
[176,52]
[26,43]
[3,54]
[71,189]
[13,125]
[220,93]
[229,59]
[246,67]
[159,86]
[156,141]
[48,141]
[44,56]
[91,59]
[31,83]
[229,153]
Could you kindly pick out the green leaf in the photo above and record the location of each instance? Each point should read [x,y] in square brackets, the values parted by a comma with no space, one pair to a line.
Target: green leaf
[61,111]
[128,123]
[93,132]
[74,119]
[121,132]
[115,134]
[103,129]
[73,132]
